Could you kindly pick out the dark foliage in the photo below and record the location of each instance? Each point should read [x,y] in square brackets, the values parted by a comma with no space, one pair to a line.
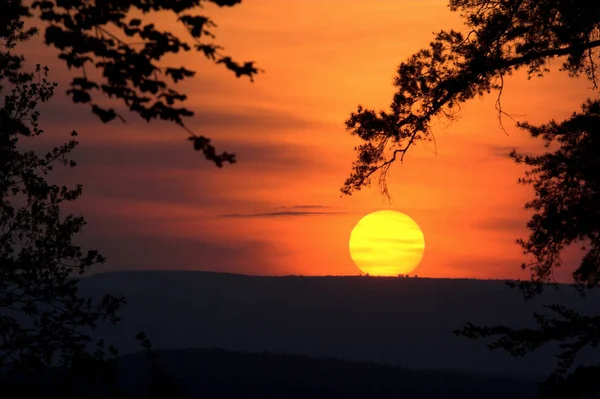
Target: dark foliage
[127,55]
[46,348]
[45,344]
[504,36]
[566,184]
[573,331]
[161,384]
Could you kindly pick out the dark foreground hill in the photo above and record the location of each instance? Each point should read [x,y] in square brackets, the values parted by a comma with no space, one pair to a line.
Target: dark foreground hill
[221,374]
[395,321]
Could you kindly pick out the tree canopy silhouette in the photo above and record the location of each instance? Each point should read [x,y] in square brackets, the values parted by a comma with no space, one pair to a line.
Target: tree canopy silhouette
[566,184]
[44,321]
[128,51]
[503,37]
[46,347]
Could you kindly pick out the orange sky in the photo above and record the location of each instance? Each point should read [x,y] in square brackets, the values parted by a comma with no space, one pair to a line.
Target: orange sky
[152,203]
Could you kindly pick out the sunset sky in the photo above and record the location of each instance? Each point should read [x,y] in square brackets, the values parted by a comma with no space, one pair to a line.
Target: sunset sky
[152,203]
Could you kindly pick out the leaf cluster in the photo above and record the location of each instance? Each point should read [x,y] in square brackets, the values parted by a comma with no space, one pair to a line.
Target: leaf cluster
[566,184]
[572,331]
[566,205]
[129,54]
[501,37]
[44,322]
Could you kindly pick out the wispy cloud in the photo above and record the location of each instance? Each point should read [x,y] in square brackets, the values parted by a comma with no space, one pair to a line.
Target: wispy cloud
[511,224]
[306,207]
[278,214]
[177,253]
[241,119]
[533,148]
[294,210]
[501,150]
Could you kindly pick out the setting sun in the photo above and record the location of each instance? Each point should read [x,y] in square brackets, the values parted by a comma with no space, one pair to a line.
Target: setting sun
[386,243]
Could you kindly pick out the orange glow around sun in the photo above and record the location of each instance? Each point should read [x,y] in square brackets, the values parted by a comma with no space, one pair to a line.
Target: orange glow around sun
[386,243]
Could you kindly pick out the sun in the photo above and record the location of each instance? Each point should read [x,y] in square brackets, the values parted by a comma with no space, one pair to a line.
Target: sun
[386,243]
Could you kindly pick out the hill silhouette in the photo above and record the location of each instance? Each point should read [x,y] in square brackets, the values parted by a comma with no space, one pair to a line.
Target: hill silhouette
[395,321]
[223,374]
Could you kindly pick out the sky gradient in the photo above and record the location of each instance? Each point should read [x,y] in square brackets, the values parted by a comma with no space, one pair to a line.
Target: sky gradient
[151,202]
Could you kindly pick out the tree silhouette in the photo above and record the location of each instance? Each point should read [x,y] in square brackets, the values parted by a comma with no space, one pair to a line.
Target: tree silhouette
[44,322]
[503,37]
[128,52]
[567,202]
[567,195]
[162,384]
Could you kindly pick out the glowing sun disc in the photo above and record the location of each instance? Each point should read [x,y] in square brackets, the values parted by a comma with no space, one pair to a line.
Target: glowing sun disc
[386,243]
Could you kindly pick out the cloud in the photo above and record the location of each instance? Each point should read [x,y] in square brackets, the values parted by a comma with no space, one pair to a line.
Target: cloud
[257,118]
[172,172]
[502,151]
[293,210]
[307,207]
[511,224]
[141,252]
[285,211]
[531,149]
[279,214]
[61,112]
[178,154]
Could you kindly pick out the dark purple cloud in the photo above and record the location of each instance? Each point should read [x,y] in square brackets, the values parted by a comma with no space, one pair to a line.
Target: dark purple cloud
[501,150]
[278,214]
[60,112]
[283,211]
[307,207]
[138,252]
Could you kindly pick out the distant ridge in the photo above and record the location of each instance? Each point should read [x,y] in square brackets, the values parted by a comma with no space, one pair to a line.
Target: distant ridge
[352,276]
[403,321]
[212,272]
